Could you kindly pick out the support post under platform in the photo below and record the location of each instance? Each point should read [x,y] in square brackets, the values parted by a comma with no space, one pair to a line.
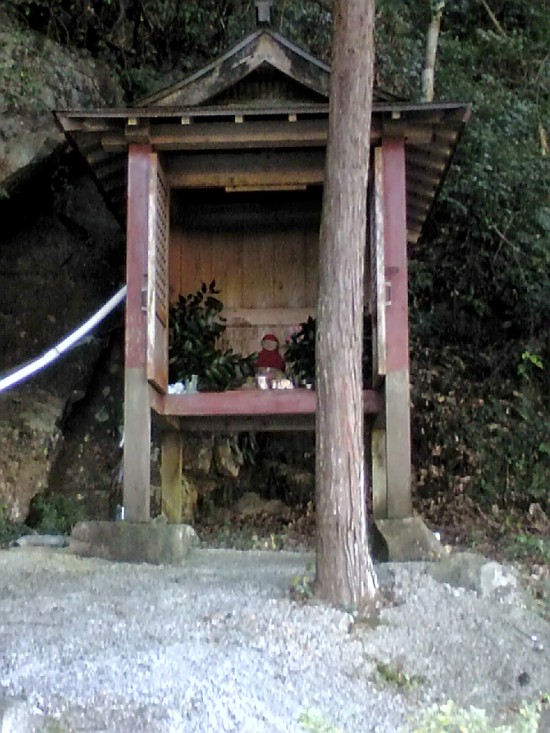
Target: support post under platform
[137,411]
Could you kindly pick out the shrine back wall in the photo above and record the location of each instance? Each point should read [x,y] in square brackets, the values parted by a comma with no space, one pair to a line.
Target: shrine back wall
[262,250]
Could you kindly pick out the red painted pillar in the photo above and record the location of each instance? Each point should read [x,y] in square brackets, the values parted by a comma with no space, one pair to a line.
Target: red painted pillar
[397,387]
[137,412]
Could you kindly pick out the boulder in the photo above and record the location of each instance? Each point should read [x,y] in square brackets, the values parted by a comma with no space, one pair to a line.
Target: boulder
[151,542]
[30,440]
[227,464]
[474,572]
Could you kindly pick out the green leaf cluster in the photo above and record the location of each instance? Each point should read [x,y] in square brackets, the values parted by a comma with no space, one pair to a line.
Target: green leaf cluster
[486,438]
[451,718]
[300,351]
[196,325]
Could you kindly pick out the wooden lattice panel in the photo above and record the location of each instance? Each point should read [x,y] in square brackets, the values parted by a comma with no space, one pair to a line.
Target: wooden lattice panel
[162,226]
[157,277]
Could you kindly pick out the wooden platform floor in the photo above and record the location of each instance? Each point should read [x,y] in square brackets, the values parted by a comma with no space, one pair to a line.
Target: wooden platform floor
[247,409]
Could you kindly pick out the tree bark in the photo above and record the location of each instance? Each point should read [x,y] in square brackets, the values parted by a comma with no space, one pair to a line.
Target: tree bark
[345,575]
[432,39]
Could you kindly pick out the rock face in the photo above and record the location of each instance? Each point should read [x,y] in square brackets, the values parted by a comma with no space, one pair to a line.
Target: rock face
[29,443]
[36,77]
[61,256]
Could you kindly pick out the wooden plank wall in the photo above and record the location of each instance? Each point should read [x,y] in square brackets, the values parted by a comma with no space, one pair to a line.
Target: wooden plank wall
[268,279]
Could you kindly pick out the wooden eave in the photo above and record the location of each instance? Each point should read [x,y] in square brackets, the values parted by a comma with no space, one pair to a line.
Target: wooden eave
[431,132]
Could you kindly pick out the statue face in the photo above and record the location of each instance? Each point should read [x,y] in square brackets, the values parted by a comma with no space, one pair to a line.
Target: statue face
[269,345]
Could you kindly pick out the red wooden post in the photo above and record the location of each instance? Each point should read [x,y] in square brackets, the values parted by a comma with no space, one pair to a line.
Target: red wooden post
[398,440]
[137,412]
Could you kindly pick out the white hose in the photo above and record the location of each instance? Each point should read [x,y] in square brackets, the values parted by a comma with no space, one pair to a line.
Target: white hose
[55,352]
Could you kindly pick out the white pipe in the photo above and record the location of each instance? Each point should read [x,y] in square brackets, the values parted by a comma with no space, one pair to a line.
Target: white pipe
[49,356]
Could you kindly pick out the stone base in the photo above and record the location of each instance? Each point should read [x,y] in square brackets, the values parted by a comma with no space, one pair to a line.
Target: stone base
[401,540]
[18,716]
[158,544]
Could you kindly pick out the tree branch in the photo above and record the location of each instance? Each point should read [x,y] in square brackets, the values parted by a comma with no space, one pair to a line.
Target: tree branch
[432,39]
[493,17]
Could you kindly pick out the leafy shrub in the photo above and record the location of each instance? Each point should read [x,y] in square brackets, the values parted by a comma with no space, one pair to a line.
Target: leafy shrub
[54,514]
[486,438]
[451,718]
[313,721]
[300,351]
[195,327]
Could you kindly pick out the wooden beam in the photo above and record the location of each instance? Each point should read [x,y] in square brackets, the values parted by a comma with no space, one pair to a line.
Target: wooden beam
[379,270]
[137,412]
[254,402]
[199,135]
[223,135]
[257,424]
[137,130]
[427,161]
[398,452]
[267,316]
[203,170]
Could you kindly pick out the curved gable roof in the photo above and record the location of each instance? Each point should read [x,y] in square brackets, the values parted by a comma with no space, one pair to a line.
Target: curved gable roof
[264,47]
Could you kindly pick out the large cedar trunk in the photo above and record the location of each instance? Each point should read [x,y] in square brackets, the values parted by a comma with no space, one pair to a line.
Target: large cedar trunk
[345,575]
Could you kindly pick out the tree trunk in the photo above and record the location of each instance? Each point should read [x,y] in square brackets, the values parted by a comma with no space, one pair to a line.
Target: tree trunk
[345,575]
[432,39]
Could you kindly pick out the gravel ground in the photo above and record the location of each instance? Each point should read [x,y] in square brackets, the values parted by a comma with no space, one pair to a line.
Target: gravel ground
[217,645]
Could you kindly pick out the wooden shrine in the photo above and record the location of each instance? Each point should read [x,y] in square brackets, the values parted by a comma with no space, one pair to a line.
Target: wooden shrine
[220,177]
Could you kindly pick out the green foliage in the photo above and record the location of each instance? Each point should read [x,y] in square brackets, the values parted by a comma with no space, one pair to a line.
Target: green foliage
[482,275]
[149,43]
[54,514]
[195,327]
[400,39]
[143,41]
[20,75]
[302,587]
[526,545]
[300,351]
[394,674]
[451,718]
[313,721]
[483,437]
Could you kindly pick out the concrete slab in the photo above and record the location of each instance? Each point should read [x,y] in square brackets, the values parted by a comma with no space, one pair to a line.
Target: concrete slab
[406,540]
[158,544]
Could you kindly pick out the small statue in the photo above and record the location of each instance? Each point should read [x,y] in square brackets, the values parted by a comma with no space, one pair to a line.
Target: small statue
[269,357]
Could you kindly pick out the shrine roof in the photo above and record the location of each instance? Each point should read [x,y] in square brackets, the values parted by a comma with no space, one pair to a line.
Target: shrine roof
[264,93]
